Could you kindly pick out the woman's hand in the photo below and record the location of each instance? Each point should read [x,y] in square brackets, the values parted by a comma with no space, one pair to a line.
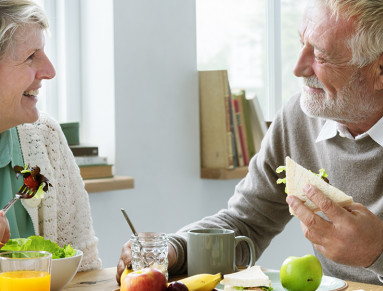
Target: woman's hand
[5,232]
[126,258]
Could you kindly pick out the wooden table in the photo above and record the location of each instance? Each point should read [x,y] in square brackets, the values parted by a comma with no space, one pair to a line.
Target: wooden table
[104,280]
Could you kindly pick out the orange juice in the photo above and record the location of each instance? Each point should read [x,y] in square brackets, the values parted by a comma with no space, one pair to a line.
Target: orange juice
[25,280]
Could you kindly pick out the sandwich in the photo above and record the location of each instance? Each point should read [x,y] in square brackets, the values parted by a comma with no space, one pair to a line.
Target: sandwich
[297,177]
[249,279]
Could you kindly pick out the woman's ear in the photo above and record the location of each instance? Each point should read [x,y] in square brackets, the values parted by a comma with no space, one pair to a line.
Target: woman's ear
[379,74]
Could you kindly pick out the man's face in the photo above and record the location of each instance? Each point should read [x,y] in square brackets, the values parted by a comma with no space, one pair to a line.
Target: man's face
[332,88]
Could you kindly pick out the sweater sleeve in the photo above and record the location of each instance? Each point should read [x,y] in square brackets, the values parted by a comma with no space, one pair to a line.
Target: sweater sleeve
[257,208]
[64,215]
[377,267]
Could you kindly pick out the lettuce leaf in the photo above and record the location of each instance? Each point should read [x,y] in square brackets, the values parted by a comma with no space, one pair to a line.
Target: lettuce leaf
[38,243]
[247,288]
[322,174]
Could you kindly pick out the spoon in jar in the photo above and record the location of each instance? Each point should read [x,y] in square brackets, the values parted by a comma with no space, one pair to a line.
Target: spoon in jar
[129,222]
[135,233]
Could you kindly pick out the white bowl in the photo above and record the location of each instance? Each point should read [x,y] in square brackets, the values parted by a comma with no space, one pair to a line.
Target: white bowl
[63,270]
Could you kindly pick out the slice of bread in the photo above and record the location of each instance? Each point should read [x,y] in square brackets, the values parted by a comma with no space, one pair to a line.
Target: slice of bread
[252,277]
[297,177]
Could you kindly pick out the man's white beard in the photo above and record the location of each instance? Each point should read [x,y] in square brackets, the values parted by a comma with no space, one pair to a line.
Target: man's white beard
[352,103]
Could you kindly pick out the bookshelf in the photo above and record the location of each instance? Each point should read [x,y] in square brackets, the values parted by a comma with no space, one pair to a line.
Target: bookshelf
[223,174]
[109,184]
[226,174]
[232,127]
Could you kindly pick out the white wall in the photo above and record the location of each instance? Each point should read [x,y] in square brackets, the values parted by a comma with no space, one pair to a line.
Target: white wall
[157,132]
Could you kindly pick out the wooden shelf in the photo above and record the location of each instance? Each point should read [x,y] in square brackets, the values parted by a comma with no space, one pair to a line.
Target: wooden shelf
[223,174]
[109,184]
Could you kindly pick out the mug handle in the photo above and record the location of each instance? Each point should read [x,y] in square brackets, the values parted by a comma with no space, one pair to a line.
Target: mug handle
[250,243]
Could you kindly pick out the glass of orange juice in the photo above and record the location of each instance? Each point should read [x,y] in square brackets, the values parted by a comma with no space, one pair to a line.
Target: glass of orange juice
[25,270]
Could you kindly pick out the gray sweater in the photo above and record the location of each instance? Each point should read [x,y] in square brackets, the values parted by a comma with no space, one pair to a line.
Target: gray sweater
[258,208]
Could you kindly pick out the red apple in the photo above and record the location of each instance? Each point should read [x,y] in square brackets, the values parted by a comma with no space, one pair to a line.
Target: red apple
[147,279]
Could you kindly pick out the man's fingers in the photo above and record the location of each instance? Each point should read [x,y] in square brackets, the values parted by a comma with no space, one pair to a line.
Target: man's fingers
[325,204]
[313,226]
[120,269]
[125,259]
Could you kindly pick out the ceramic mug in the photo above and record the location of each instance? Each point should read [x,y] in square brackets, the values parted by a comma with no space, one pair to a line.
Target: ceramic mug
[212,250]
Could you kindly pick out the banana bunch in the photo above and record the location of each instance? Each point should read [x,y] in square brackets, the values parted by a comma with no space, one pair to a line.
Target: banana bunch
[202,282]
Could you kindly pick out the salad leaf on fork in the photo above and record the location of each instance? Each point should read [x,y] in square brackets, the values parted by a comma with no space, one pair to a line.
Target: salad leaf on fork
[34,181]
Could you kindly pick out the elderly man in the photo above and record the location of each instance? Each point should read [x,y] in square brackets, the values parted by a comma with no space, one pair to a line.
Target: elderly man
[335,123]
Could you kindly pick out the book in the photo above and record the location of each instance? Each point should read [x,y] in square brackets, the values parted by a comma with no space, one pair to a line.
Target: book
[96,171]
[258,123]
[84,150]
[239,96]
[215,131]
[234,132]
[237,139]
[248,125]
[91,160]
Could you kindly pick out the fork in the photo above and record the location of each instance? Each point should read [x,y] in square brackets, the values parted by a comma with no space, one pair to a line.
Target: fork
[24,193]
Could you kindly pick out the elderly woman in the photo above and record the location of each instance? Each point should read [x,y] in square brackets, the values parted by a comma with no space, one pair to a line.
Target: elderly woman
[27,137]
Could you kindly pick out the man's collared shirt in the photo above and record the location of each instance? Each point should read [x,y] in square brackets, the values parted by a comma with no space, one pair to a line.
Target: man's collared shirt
[331,128]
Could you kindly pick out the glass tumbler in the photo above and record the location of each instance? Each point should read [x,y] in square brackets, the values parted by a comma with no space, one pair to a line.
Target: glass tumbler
[25,270]
[150,250]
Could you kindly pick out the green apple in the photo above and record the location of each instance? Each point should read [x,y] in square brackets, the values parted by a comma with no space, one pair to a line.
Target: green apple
[301,273]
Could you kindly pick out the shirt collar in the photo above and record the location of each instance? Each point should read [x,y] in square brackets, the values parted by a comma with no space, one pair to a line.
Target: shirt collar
[5,148]
[331,128]
[376,132]
[10,150]
[328,131]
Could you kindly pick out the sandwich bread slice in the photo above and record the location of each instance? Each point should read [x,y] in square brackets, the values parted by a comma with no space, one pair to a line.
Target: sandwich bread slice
[249,279]
[297,177]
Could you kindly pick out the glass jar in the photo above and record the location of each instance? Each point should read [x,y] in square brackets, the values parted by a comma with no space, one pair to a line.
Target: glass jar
[150,250]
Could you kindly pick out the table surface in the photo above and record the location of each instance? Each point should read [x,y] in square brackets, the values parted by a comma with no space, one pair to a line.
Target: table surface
[105,280]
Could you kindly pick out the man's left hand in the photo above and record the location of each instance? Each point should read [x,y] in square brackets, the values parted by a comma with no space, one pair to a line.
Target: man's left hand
[353,235]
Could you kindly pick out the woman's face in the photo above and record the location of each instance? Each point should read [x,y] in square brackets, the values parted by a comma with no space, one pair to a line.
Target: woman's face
[22,69]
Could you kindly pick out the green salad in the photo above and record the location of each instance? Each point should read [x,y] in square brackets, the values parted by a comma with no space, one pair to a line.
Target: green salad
[38,243]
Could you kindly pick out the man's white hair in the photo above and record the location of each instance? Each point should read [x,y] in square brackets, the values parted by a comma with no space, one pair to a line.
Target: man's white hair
[366,43]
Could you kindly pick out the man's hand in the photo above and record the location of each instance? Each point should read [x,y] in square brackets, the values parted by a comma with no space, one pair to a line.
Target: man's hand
[5,232]
[353,235]
[126,258]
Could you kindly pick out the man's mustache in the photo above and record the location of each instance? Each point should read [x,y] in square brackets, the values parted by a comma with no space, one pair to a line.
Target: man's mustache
[313,82]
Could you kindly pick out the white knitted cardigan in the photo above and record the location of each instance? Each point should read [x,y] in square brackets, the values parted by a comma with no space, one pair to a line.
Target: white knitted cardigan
[63,215]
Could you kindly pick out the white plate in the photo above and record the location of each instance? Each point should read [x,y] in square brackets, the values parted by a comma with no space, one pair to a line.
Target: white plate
[327,284]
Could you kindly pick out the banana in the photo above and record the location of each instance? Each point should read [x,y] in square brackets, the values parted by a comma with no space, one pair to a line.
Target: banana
[128,269]
[202,282]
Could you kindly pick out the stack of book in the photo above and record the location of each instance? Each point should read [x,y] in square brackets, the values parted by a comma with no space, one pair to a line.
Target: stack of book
[231,125]
[92,166]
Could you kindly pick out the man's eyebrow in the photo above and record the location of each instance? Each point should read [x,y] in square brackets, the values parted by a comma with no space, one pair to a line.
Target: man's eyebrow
[321,50]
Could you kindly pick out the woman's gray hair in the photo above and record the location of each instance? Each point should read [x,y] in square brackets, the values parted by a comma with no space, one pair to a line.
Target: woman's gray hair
[366,43]
[15,14]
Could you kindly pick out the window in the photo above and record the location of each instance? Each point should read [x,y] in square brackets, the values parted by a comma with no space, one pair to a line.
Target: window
[256,41]
[82,52]
[61,96]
